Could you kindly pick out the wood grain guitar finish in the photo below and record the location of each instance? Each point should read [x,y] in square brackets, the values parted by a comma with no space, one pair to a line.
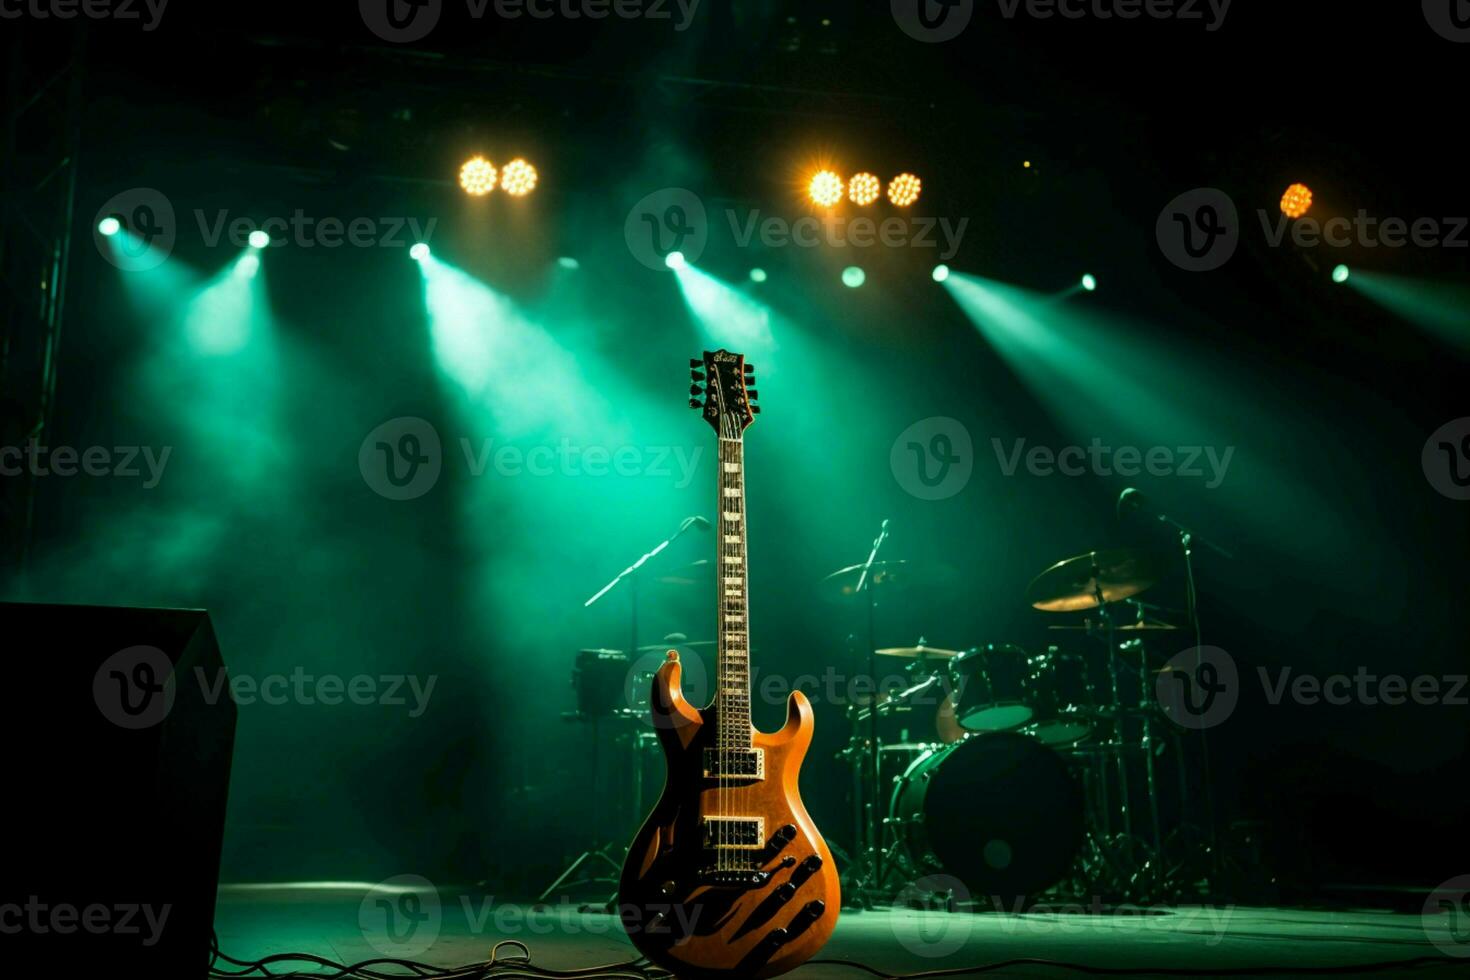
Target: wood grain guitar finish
[728,877]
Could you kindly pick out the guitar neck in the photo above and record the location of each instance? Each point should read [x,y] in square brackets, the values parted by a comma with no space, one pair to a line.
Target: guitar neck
[732,579]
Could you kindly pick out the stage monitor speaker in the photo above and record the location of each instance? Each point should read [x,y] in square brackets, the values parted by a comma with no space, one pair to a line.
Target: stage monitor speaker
[118,727]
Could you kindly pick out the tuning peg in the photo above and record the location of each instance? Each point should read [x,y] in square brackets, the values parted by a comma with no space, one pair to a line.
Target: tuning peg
[750,369]
[696,375]
[694,403]
[695,362]
[755,410]
[752,393]
[696,390]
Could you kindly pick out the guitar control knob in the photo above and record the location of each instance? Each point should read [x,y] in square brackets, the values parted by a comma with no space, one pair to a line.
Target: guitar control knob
[785,893]
[776,938]
[786,834]
[812,864]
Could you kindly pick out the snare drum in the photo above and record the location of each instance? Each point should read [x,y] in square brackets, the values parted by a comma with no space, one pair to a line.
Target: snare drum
[989,688]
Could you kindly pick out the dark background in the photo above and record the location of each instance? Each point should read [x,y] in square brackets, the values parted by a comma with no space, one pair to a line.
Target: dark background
[1345,556]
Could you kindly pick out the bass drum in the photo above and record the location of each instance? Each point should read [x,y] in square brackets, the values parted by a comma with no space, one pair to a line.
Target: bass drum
[1000,812]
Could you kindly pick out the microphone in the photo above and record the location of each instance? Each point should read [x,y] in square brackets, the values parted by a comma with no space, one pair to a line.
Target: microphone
[1132,499]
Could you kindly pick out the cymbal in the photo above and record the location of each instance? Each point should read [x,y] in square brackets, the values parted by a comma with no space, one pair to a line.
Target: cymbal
[1074,584]
[695,573]
[889,576]
[926,652]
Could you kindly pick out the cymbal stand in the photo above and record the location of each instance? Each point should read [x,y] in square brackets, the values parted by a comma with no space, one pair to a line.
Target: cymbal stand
[868,871]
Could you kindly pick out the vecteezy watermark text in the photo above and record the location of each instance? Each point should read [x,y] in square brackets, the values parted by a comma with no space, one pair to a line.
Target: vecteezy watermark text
[91,9]
[64,919]
[406,21]
[1098,459]
[115,461]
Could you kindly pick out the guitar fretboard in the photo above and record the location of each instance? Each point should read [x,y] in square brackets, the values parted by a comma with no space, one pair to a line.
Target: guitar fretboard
[733,697]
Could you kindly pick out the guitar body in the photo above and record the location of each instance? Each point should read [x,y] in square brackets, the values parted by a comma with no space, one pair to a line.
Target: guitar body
[779,906]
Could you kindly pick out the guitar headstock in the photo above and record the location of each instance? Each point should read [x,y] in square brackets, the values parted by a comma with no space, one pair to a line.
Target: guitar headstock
[723,380]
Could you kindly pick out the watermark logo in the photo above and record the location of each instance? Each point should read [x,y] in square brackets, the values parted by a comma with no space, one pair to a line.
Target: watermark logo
[1446,916]
[401,459]
[1449,18]
[134,688]
[400,21]
[920,930]
[41,918]
[1199,687]
[1446,459]
[671,219]
[400,917]
[933,458]
[932,21]
[146,233]
[1199,230]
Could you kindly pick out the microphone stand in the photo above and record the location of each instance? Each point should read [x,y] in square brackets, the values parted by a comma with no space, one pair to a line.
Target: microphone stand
[603,850]
[874,872]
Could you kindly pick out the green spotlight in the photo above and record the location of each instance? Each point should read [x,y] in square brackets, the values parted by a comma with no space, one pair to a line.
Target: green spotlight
[109,226]
[1089,282]
[247,265]
[419,252]
[567,262]
[941,273]
[675,260]
[1340,274]
[259,239]
[757,275]
[853,276]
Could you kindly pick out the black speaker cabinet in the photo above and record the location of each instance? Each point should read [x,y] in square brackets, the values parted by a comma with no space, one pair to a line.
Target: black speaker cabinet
[118,729]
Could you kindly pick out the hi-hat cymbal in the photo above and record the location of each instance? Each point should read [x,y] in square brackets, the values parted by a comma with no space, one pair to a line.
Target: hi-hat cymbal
[889,576]
[921,651]
[1075,583]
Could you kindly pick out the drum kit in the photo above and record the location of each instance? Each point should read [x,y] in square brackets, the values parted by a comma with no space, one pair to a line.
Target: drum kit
[1009,773]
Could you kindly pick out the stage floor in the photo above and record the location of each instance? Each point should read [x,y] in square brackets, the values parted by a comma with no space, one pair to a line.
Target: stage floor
[347,922]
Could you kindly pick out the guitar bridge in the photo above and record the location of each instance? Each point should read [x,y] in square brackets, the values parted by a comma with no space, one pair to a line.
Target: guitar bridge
[735,833]
[735,764]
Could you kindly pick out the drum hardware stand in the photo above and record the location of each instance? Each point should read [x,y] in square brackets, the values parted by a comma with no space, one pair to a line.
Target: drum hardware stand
[869,870]
[603,849]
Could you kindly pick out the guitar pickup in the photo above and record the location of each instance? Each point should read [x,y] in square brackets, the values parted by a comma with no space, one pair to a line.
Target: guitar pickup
[735,764]
[735,833]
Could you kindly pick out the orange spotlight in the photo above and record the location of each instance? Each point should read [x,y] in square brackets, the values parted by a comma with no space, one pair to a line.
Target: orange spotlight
[863,189]
[903,190]
[1296,201]
[825,188]
[518,178]
[477,176]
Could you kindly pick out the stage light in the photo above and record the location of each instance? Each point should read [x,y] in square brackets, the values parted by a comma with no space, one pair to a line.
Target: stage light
[247,265]
[518,178]
[674,260]
[477,176]
[1089,282]
[757,275]
[863,189]
[419,252]
[567,262]
[853,277]
[941,273]
[825,188]
[1296,201]
[903,190]
[109,226]
[259,239]
[1340,274]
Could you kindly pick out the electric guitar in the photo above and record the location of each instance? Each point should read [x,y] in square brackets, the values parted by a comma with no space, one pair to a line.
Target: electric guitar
[728,876]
